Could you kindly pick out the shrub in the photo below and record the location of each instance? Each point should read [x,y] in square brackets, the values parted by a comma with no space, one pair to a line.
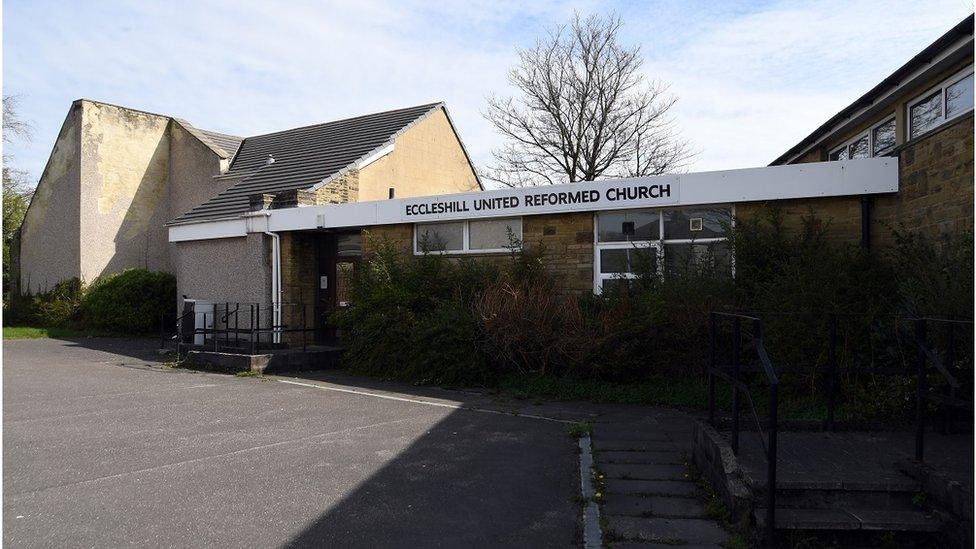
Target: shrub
[55,308]
[129,302]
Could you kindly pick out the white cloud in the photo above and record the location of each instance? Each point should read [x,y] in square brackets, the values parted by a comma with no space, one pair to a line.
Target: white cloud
[752,81]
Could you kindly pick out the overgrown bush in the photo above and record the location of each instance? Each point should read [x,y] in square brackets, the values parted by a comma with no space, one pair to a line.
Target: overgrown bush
[435,319]
[129,302]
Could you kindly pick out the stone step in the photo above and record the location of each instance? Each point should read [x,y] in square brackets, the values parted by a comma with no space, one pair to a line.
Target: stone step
[623,445]
[656,506]
[849,519]
[652,545]
[626,432]
[645,472]
[673,531]
[663,457]
[649,487]
[896,500]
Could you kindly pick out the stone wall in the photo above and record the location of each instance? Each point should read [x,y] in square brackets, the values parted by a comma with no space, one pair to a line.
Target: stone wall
[564,241]
[299,278]
[123,199]
[50,243]
[427,159]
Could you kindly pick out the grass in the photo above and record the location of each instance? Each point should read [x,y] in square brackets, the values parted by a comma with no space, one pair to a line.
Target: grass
[28,332]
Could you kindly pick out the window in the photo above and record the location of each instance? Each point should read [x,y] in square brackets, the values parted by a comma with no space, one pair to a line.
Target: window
[883,137]
[632,242]
[941,104]
[440,237]
[875,141]
[494,234]
[478,236]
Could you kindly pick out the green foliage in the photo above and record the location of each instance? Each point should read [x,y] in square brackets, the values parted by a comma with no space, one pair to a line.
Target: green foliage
[16,198]
[129,302]
[435,319]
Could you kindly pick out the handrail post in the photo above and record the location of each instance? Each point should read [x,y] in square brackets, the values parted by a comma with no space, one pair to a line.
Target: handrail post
[304,340]
[771,465]
[736,347]
[832,373]
[712,321]
[950,364]
[921,387]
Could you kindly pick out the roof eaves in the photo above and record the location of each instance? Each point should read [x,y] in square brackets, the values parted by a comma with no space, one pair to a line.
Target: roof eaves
[891,83]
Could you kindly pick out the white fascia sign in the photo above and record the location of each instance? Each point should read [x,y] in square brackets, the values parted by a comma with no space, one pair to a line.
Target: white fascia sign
[813,180]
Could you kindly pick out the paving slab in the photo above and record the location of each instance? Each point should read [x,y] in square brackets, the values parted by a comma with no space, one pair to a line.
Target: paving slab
[886,519]
[657,506]
[674,531]
[809,519]
[649,487]
[637,471]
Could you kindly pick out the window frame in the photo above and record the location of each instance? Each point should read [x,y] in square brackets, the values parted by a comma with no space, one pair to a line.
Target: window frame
[941,89]
[465,237]
[599,278]
[869,133]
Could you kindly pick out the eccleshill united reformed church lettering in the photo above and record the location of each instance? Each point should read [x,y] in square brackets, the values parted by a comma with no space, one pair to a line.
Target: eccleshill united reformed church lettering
[522,200]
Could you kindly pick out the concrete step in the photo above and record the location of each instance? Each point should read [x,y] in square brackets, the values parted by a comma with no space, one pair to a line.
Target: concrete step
[849,519]
[678,531]
[656,506]
[649,487]
[652,545]
[645,471]
[624,445]
[630,432]
[895,500]
[662,457]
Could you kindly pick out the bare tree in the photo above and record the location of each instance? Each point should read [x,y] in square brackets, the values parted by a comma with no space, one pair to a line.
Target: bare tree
[14,128]
[585,111]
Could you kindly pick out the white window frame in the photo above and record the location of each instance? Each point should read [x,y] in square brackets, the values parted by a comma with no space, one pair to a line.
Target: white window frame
[941,88]
[599,277]
[870,135]
[465,238]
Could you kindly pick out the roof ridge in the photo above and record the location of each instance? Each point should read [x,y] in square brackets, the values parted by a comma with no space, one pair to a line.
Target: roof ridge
[431,106]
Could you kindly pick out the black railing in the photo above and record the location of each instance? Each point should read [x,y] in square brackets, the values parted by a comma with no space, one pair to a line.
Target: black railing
[948,372]
[733,377]
[224,324]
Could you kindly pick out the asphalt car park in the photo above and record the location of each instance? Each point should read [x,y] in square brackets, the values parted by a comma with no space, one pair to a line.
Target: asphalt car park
[105,446]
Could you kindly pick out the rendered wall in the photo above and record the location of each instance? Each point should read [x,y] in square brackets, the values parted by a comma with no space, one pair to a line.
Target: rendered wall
[124,175]
[427,159]
[227,269]
[192,167]
[50,248]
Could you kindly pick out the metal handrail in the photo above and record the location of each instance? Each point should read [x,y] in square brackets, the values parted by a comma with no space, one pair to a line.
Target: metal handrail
[924,356]
[768,442]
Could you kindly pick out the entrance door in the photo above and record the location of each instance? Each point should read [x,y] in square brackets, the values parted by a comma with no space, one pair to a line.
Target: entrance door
[338,254]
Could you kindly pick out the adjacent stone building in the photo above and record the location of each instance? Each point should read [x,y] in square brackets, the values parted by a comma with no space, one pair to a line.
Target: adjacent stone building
[114,178]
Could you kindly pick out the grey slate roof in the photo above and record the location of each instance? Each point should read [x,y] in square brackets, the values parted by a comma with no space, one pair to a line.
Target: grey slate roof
[303,157]
[225,146]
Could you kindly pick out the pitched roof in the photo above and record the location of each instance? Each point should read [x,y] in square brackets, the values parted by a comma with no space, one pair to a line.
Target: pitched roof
[895,80]
[225,146]
[304,157]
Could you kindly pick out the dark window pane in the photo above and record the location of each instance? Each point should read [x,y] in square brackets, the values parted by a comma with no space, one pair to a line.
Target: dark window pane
[610,226]
[614,261]
[859,148]
[436,237]
[884,137]
[959,96]
[684,258]
[926,115]
[677,223]
[839,154]
[349,245]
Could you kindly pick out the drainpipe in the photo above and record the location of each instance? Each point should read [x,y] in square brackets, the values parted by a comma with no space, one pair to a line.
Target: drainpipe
[866,222]
[275,283]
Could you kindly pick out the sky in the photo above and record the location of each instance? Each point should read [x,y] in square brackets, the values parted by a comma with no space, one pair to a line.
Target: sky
[751,78]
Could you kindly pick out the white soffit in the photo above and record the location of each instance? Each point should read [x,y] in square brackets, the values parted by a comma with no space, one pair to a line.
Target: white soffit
[812,180]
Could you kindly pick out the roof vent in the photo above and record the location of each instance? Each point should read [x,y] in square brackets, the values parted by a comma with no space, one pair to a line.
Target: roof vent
[271,160]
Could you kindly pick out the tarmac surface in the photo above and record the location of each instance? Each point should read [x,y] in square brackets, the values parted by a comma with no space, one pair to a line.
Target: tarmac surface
[103,446]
